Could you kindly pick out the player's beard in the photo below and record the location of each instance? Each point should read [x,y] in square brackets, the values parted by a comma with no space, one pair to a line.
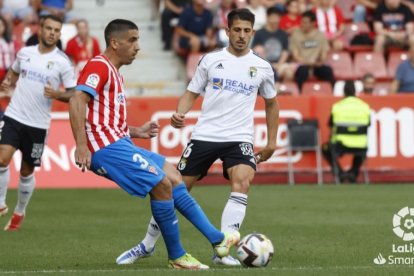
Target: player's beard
[47,44]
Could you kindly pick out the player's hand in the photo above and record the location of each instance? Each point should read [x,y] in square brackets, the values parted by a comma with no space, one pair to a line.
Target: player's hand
[149,130]
[5,87]
[49,92]
[264,153]
[83,157]
[177,120]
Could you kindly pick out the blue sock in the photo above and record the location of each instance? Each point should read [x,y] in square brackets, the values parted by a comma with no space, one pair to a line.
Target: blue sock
[164,214]
[190,209]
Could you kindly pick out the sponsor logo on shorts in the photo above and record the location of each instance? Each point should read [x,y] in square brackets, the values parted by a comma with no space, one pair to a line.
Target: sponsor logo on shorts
[37,151]
[101,171]
[92,80]
[246,149]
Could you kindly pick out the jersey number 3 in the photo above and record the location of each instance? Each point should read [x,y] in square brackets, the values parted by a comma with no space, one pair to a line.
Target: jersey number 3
[139,159]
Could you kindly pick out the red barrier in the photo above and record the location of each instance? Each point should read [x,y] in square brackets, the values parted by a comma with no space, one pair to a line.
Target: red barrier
[391,137]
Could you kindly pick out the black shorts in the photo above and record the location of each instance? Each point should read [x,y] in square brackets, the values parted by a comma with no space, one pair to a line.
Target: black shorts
[29,140]
[198,156]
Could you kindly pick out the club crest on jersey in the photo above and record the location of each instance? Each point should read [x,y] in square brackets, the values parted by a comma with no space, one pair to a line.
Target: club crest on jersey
[23,73]
[252,72]
[121,98]
[92,80]
[153,170]
[217,84]
[49,65]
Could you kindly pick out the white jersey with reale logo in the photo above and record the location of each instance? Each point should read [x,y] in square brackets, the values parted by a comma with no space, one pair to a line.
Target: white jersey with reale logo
[230,86]
[28,104]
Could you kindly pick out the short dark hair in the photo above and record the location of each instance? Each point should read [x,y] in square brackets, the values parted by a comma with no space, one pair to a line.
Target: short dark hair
[290,2]
[367,76]
[43,18]
[274,10]
[309,14]
[241,14]
[118,25]
[349,88]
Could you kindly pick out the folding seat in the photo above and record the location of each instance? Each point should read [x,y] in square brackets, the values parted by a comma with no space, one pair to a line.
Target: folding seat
[394,59]
[191,65]
[318,88]
[341,63]
[370,62]
[288,88]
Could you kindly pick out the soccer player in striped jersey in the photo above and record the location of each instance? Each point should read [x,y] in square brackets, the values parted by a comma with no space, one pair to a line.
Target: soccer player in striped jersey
[230,79]
[36,74]
[98,119]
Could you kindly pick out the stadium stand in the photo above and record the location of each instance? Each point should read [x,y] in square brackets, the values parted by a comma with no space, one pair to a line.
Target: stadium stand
[191,64]
[341,63]
[370,62]
[317,88]
[288,88]
[394,59]
[346,7]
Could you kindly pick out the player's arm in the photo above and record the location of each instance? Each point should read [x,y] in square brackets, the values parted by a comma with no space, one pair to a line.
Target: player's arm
[8,82]
[148,130]
[62,96]
[185,103]
[272,124]
[77,115]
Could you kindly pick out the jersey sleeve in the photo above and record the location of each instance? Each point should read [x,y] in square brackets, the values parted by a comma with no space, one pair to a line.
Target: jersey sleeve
[199,82]
[93,78]
[267,87]
[16,64]
[67,75]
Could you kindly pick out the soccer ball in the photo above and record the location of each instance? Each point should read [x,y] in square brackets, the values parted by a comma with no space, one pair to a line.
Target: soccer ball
[255,250]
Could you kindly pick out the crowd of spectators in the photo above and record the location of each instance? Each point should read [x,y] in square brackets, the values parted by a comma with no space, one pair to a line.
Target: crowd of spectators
[299,36]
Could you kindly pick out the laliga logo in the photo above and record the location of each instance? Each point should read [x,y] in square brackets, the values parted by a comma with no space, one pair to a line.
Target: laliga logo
[403,223]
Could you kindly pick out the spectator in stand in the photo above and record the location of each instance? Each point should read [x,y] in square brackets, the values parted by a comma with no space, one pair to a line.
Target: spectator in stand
[309,48]
[83,46]
[330,21]
[195,28]
[363,9]
[272,43]
[259,11]
[60,8]
[7,48]
[404,77]
[368,84]
[23,10]
[393,25]
[279,4]
[291,20]
[171,12]
[220,21]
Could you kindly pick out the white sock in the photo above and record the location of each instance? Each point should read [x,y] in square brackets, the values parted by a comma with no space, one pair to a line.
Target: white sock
[26,187]
[4,183]
[234,212]
[153,233]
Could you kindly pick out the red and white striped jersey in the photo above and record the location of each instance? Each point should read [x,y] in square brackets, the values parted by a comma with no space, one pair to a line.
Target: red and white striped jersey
[106,111]
[329,21]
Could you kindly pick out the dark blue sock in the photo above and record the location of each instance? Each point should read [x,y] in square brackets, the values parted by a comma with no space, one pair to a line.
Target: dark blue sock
[164,214]
[190,209]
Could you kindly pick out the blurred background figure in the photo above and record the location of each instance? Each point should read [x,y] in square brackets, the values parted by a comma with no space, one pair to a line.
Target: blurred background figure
[349,121]
[23,10]
[195,29]
[220,21]
[368,84]
[259,11]
[83,46]
[60,8]
[309,48]
[272,44]
[364,9]
[7,48]
[169,19]
[393,25]
[404,77]
[330,22]
[291,20]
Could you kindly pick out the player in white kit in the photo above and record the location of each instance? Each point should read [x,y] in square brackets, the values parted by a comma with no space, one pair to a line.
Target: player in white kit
[230,79]
[36,74]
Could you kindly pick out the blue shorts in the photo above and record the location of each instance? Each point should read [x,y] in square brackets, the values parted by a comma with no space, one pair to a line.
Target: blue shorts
[134,169]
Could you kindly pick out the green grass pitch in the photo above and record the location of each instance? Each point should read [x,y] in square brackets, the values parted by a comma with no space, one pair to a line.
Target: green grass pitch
[328,230]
